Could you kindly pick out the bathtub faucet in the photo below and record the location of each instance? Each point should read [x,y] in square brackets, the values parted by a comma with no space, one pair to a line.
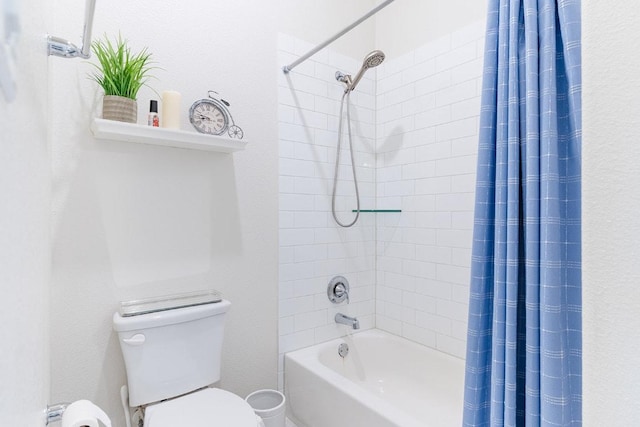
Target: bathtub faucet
[346,320]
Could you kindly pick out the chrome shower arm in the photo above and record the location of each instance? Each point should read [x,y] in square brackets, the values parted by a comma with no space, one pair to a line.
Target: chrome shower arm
[65,49]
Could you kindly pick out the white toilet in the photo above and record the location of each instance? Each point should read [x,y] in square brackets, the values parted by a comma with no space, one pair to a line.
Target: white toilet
[172,352]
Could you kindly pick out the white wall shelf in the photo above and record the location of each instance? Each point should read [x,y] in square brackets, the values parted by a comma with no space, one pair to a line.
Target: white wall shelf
[130,132]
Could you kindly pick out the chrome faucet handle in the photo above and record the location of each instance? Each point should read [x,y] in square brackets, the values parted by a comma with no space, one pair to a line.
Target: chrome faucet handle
[338,290]
[341,291]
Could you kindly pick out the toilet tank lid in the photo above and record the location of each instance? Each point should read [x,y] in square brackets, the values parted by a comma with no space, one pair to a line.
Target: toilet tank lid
[168,302]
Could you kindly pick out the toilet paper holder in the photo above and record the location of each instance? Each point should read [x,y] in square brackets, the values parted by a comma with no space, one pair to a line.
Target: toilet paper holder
[54,412]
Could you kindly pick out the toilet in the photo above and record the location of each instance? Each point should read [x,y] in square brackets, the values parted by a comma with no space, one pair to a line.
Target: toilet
[172,349]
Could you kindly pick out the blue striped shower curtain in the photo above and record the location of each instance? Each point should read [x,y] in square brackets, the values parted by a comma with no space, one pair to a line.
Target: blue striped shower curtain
[524,345]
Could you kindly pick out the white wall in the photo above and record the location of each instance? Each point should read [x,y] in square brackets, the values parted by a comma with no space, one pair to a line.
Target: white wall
[316,21]
[428,103]
[132,221]
[611,201]
[25,185]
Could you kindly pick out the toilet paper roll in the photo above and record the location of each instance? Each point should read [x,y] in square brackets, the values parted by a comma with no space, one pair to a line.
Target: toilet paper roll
[84,413]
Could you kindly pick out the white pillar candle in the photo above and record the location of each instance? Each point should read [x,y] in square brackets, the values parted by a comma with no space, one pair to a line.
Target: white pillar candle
[170,109]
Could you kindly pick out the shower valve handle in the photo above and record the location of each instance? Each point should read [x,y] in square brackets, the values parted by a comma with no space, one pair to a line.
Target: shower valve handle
[338,290]
[341,291]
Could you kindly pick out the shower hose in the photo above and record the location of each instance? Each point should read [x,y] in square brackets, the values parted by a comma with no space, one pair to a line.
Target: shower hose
[345,97]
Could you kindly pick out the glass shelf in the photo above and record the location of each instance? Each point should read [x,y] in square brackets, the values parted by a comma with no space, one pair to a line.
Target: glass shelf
[378,210]
[131,132]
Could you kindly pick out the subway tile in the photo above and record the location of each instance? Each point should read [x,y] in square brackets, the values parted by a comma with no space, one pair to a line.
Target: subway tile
[435,151]
[420,335]
[468,33]
[419,302]
[293,306]
[285,325]
[432,85]
[465,146]
[456,166]
[468,71]
[392,326]
[433,254]
[433,49]
[286,220]
[454,238]
[434,185]
[419,269]
[466,108]
[455,202]
[433,117]
[451,345]
[418,71]
[310,219]
[315,252]
[461,257]
[454,310]
[421,236]
[297,202]
[296,271]
[433,322]
[311,152]
[311,119]
[297,340]
[456,57]
[462,220]
[292,237]
[423,169]
[434,289]
[292,132]
[389,83]
[453,274]
[456,93]
[293,98]
[310,320]
[460,293]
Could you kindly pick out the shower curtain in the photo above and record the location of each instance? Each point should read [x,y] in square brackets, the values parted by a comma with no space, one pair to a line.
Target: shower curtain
[524,343]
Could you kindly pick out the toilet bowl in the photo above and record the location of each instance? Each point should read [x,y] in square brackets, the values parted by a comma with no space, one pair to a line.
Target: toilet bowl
[172,348]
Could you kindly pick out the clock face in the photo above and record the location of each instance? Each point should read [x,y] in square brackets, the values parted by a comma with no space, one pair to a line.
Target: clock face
[208,117]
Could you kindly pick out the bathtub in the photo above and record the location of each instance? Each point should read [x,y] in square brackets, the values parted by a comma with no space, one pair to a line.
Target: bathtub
[384,381]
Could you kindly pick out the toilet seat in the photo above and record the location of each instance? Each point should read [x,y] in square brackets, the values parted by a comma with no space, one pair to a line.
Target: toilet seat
[210,407]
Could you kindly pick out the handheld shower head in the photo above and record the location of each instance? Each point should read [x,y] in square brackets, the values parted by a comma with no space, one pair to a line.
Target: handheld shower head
[373,59]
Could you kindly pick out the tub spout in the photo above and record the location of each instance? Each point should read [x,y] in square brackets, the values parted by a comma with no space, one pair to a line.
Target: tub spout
[346,320]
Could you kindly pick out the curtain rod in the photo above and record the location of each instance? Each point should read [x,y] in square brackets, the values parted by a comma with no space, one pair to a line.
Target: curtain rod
[288,68]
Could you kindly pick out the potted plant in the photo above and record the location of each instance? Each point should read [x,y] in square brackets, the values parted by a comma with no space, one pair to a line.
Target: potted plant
[121,74]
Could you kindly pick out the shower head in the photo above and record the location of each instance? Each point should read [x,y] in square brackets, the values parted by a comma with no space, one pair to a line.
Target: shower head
[373,59]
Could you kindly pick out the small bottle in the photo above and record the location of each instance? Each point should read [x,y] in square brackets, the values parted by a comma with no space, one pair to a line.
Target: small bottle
[154,119]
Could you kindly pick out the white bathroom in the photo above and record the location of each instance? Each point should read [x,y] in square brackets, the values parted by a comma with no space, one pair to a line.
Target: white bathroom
[89,222]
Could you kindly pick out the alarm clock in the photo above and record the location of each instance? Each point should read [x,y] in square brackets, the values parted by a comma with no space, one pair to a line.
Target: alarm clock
[211,115]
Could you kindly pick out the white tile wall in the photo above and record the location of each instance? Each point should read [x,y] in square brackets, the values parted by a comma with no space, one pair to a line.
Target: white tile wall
[313,248]
[415,121]
[428,104]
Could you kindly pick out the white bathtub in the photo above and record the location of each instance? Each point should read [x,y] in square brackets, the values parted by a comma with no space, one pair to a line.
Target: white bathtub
[384,381]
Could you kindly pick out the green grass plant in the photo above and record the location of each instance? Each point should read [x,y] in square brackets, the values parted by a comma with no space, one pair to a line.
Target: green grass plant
[120,72]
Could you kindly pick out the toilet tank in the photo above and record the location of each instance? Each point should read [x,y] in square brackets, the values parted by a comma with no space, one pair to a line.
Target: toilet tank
[171,352]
